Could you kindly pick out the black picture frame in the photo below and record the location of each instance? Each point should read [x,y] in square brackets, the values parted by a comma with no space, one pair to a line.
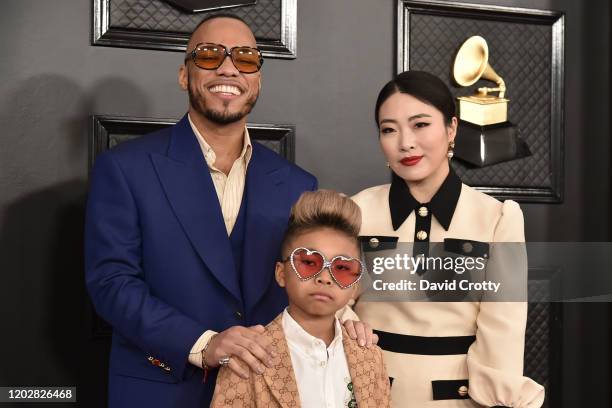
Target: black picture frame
[108,130]
[553,190]
[104,33]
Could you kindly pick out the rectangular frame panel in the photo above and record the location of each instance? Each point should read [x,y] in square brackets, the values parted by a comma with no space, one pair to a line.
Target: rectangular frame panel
[552,170]
[104,33]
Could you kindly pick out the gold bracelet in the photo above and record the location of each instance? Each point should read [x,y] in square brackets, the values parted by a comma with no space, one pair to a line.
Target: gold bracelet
[205,367]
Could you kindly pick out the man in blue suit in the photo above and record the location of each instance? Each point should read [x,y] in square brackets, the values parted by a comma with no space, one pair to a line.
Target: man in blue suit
[183,229]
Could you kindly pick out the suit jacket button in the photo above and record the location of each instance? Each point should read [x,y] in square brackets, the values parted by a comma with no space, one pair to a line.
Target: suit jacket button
[423,212]
[463,391]
[467,247]
[238,314]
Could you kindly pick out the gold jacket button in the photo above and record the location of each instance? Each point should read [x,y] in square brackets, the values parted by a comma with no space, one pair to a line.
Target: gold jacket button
[421,235]
[467,247]
[423,211]
[462,391]
[374,242]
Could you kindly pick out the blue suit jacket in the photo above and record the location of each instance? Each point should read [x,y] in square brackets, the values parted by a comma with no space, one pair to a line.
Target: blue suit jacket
[159,265]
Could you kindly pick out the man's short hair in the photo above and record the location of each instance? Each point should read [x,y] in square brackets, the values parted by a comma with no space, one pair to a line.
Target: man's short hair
[218,15]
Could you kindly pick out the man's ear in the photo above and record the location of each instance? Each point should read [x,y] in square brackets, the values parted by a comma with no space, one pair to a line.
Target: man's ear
[279,274]
[183,77]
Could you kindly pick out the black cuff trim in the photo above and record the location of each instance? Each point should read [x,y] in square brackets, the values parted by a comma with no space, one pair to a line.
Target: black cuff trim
[430,346]
[466,247]
[371,243]
[450,389]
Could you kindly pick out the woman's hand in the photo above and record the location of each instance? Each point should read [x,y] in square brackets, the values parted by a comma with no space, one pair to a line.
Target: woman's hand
[361,331]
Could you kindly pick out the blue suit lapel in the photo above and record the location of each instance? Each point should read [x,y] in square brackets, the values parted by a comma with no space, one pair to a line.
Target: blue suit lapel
[186,180]
[266,193]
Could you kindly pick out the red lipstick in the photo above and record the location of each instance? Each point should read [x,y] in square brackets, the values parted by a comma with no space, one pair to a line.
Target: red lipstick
[411,161]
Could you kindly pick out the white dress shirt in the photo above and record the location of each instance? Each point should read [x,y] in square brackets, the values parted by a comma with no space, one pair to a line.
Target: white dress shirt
[321,372]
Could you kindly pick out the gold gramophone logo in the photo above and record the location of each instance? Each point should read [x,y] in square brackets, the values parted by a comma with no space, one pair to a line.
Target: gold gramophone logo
[471,65]
[485,136]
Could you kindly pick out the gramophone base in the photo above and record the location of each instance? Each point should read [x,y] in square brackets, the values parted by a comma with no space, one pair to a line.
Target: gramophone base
[483,146]
[483,111]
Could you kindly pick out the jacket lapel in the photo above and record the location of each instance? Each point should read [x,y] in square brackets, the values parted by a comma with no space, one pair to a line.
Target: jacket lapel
[266,221]
[280,377]
[185,178]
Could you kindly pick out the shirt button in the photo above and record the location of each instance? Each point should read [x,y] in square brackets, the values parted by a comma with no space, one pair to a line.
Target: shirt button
[374,242]
[322,363]
[421,235]
[423,211]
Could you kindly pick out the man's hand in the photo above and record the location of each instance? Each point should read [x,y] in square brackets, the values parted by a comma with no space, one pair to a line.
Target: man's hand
[247,343]
[360,331]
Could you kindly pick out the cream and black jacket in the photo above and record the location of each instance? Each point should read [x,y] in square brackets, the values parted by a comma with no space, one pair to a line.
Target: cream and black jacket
[449,354]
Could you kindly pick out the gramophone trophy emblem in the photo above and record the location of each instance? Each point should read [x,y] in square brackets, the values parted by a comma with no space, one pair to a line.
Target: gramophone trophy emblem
[485,136]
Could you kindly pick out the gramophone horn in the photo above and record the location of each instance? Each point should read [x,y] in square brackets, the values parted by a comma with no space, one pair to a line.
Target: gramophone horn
[471,61]
[472,64]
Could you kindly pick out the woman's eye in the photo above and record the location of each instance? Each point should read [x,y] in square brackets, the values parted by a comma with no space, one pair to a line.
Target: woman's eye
[421,124]
[387,130]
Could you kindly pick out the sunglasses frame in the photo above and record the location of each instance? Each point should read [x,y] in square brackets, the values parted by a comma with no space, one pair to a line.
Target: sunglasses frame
[326,264]
[227,53]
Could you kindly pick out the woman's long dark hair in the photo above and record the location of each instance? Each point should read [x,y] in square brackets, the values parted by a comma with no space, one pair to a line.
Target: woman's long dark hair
[425,87]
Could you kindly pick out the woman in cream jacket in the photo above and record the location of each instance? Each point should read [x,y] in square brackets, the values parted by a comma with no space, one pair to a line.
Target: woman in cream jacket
[441,354]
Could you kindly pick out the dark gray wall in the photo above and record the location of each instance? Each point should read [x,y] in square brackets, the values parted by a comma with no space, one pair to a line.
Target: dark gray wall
[52,79]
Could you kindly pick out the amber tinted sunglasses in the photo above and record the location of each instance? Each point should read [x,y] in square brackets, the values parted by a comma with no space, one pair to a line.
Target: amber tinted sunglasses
[308,264]
[247,60]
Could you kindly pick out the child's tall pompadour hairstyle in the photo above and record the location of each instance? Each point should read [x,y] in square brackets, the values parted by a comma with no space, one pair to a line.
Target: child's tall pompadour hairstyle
[323,209]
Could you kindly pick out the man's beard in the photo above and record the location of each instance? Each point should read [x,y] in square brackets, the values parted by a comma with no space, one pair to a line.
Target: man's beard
[224,117]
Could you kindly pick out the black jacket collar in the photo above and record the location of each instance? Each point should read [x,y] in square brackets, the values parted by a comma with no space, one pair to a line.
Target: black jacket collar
[442,204]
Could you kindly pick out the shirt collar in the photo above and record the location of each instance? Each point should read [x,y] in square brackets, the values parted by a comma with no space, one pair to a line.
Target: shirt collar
[209,153]
[295,334]
[442,204]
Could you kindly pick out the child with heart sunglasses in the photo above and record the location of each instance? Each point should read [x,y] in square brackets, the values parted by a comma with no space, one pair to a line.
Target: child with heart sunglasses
[317,364]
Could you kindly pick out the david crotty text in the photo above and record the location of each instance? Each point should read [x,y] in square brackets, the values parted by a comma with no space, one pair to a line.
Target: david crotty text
[406,285]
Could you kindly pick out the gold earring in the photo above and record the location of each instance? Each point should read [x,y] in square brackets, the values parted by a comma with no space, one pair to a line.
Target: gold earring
[451,152]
